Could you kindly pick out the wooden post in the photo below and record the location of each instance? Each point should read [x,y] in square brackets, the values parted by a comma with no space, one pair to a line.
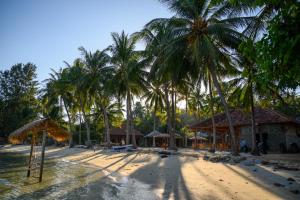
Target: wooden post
[30,157]
[42,155]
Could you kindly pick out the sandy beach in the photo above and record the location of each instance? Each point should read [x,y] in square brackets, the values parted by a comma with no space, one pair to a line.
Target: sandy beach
[183,176]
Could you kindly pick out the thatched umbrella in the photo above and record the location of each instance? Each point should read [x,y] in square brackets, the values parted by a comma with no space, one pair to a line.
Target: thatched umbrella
[157,134]
[36,129]
[152,135]
[39,128]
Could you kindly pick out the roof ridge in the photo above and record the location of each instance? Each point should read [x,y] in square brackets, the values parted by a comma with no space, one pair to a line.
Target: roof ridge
[280,114]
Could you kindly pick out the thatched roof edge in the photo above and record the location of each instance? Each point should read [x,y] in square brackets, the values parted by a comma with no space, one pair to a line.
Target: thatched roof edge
[36,127]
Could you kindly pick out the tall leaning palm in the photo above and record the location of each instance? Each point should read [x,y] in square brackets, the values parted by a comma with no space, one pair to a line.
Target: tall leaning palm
[129,74]
[209,33]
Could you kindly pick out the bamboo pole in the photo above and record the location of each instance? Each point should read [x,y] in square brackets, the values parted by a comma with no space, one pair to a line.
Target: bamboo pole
[42,155]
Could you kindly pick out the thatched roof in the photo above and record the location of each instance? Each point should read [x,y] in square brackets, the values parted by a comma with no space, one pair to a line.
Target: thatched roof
[157,134]
[241,118]
[36,127]
[198,138]
[153,134]
[122,131]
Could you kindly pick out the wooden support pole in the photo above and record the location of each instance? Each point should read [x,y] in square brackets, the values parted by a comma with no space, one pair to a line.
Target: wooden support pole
[30,157]
[42,155]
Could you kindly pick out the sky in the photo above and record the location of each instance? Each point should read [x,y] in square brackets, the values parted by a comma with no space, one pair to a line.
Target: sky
[48,32]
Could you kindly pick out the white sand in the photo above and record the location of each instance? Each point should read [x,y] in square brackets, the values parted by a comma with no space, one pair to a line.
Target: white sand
[186,177]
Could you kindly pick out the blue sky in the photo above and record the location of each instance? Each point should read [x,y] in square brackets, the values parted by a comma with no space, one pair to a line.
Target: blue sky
[48,32]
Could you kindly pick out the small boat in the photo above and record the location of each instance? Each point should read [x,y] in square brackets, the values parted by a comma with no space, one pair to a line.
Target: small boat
[123,148]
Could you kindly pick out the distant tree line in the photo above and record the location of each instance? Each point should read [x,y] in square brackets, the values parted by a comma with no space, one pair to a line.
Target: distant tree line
[18,97]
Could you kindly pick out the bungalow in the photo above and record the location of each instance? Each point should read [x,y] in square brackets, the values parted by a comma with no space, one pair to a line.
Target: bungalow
[118,135]
[276,129]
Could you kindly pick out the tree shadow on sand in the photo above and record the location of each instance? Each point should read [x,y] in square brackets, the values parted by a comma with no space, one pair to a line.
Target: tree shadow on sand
[265,179]
[92,184]
[165,172]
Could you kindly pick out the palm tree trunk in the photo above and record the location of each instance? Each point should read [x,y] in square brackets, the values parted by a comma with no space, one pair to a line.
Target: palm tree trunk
[106,124]
[213,115]
[195,141]
[86,122]
[186,103]
[154,115]
[69,123]
[79,135]
[198,112]
[128,118]
[254,147]
[132,125]
[172,135]
[168,109]
[234,148]
[88,131]
[60,106]
[154,121]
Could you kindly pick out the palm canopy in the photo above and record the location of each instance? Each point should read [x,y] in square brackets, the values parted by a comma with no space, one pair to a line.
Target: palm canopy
[205,35]
[130,74]
[97,70]
[210,32]
[154,96]
[129,66]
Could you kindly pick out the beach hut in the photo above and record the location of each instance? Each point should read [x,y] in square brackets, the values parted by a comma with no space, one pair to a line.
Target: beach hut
[152,135]
[162,139]
[36,130]
[199,141]
[118,135]
[274,128]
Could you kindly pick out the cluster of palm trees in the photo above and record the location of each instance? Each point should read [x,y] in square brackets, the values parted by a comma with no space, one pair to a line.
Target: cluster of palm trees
[195,49]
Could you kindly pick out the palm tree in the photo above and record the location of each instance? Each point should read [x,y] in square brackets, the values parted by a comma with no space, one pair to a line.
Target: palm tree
[50,102]
[77,74]
[164,70]
[195,101]
[246,86]
[207,32]
[61,89]
[214,143]
[154,97]
[129,76]
[98,75]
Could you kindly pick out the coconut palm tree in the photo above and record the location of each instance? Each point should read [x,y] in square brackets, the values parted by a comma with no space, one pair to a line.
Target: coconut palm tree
[195,101]
[154,97]
[98,76]
[77,75]
[59,87]
[208,32]
[164,70]
[129,76]
[246,86]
